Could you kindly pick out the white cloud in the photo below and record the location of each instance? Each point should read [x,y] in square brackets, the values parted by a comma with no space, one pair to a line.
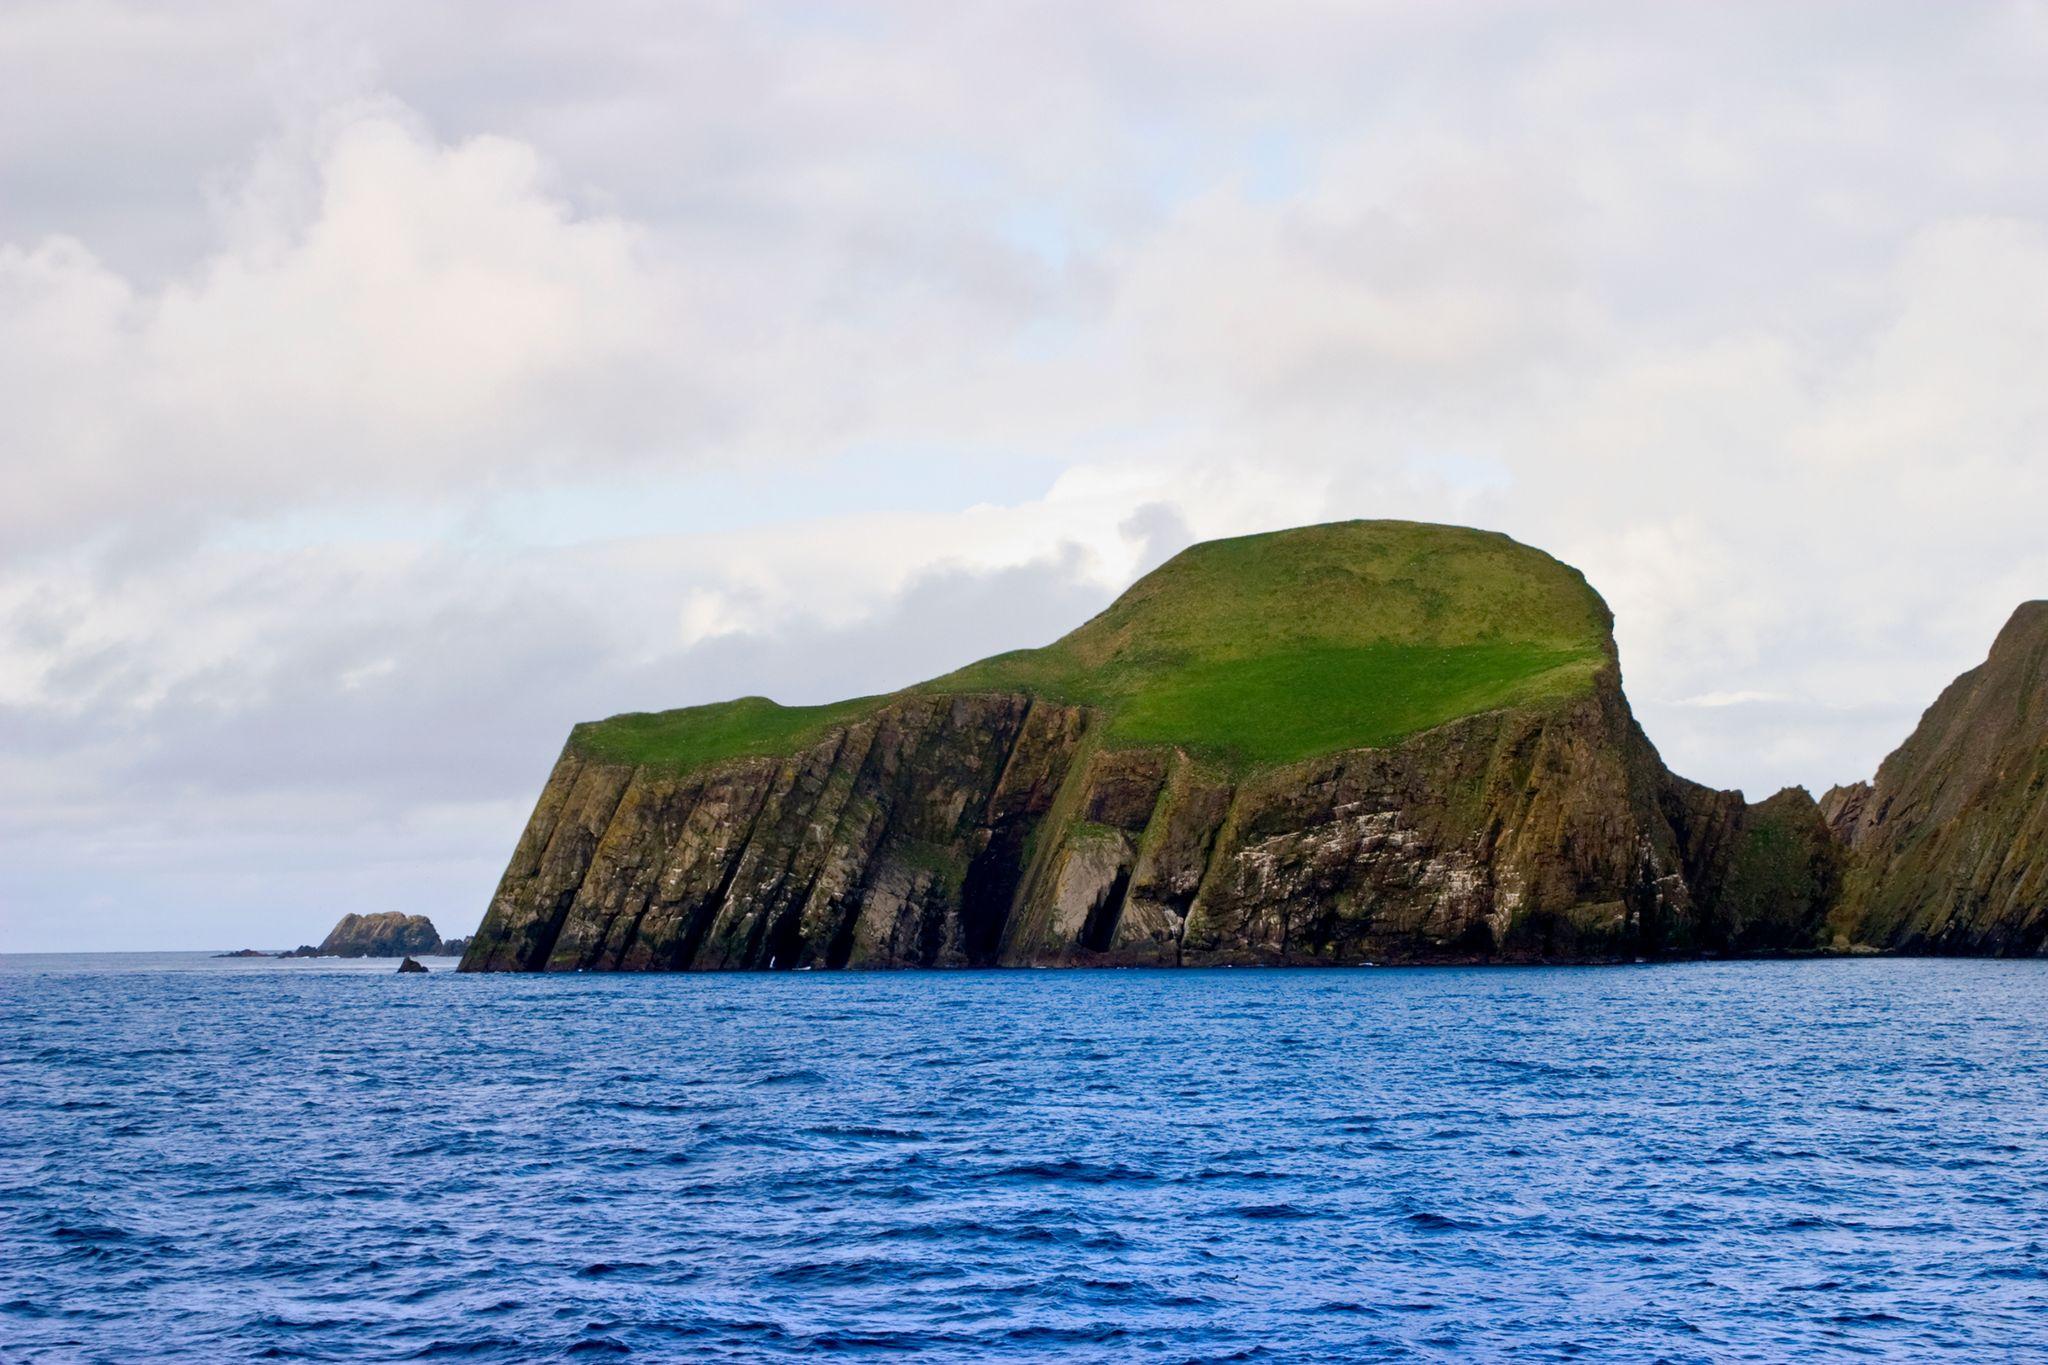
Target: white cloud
[431,315]
[1720,699]
[431,290]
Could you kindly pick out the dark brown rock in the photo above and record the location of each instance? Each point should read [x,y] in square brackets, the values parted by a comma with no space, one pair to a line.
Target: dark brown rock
[384,934]
[1784,874]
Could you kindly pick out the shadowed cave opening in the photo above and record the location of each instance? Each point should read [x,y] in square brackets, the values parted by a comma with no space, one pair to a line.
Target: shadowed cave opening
[990,889]
[1099,930]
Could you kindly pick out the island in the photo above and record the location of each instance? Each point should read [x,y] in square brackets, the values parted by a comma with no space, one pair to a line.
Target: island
[1365,742]
[386,933]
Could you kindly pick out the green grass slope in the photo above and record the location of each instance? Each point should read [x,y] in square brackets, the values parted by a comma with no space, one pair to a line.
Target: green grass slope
[1250,652]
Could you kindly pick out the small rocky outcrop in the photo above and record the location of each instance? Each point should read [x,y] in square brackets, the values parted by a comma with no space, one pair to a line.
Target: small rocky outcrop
[384,934]
[410,965]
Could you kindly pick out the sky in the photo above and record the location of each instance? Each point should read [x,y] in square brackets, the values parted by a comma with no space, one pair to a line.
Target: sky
[390,386]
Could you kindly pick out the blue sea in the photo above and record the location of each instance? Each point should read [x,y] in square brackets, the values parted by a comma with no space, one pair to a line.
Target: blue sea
[222,1160]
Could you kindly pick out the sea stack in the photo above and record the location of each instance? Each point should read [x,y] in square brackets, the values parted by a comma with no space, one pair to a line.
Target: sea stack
[384,934]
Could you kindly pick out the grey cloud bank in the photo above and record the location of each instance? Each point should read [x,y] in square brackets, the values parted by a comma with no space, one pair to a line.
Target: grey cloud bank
[1741,309]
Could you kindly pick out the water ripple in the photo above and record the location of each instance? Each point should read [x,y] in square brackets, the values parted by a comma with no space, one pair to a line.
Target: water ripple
[1703,1162]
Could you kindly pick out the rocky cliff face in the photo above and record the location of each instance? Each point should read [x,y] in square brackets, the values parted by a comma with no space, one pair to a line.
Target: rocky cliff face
[1948,847]
[999,830]
[1781,872]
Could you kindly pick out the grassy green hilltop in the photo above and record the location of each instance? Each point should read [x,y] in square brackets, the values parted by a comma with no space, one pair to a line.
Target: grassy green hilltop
[1249,652]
